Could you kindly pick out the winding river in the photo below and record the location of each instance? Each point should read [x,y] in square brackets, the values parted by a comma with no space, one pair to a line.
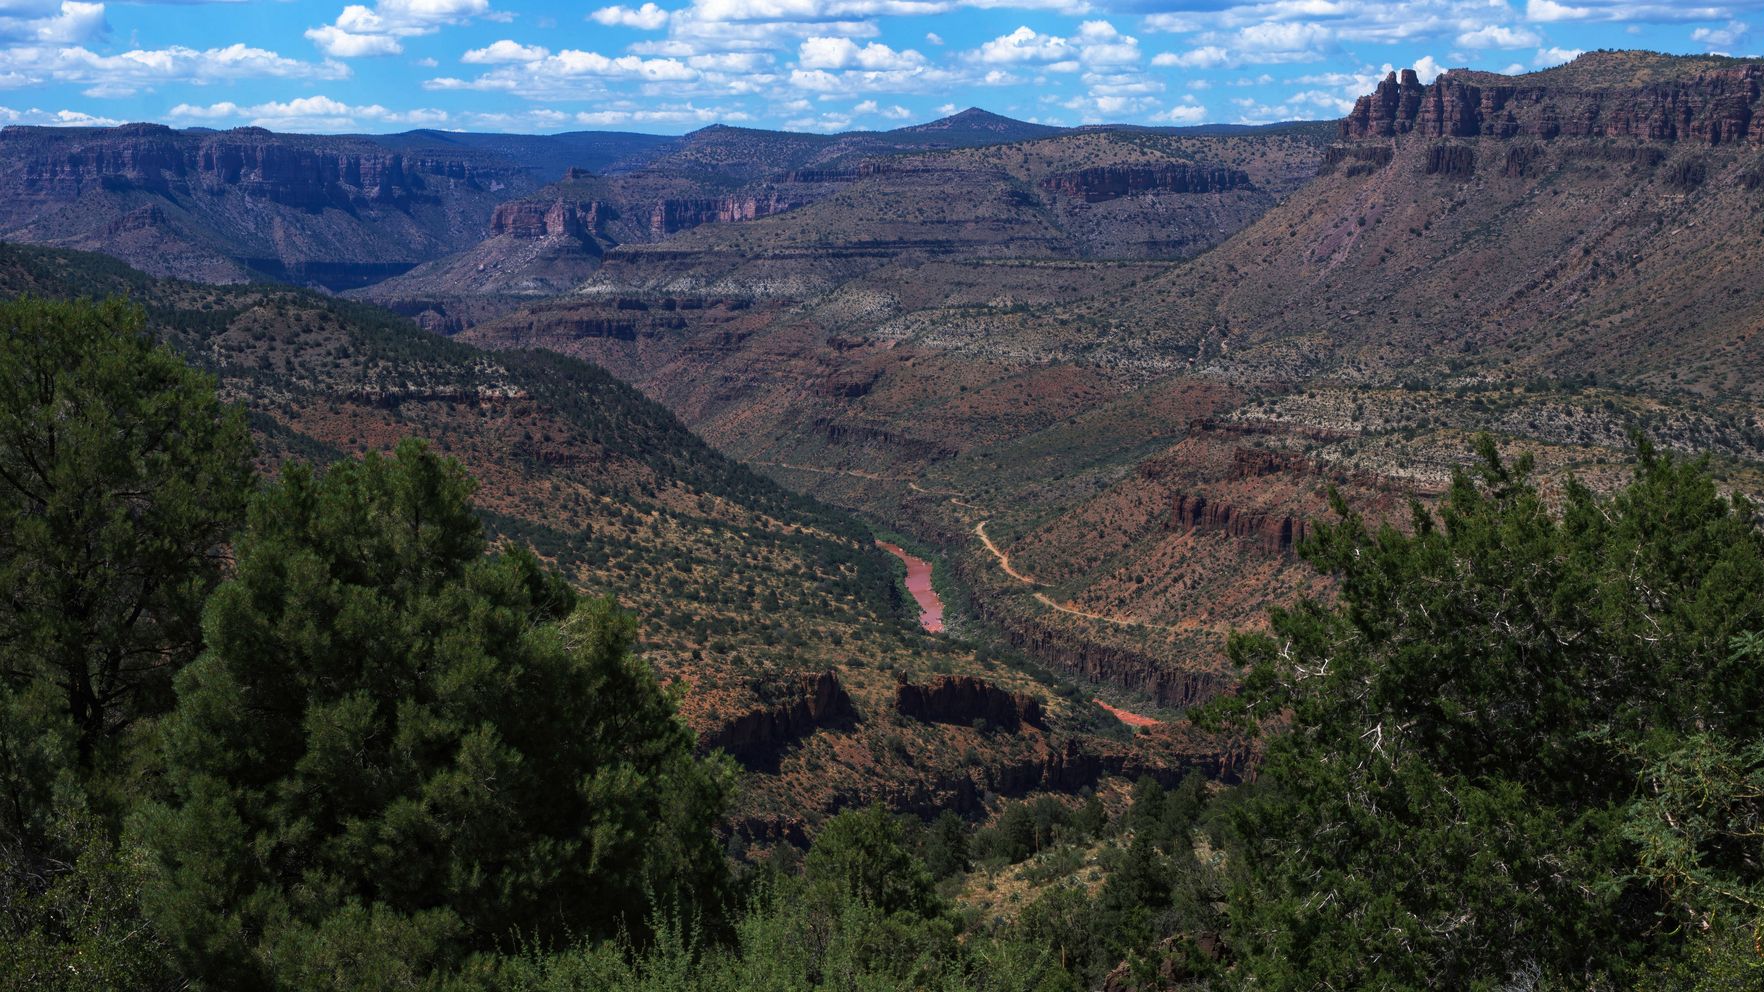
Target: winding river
[931,611]
[919,584]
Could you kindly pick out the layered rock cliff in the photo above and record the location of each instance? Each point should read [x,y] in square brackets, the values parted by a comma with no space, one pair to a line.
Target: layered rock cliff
[1272,532]
[295,171]
[1107,182]
[671,216]
[966,699]
[809,704]
[1713,107]
[1092,661]
[336,211]
[550,218]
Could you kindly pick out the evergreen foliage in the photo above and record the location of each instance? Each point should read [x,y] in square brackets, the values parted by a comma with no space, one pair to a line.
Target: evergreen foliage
[397,750]
[1449,796]
[120,476]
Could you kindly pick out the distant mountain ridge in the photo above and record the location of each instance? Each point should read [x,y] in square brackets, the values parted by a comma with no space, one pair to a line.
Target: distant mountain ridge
[974,122]
[346,211]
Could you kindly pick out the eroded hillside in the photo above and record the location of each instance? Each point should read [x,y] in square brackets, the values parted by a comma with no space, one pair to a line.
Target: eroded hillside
[1117,459]
[782,623]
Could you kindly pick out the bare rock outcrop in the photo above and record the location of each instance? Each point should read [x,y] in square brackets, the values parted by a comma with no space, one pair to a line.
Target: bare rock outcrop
[336,210]
[1108,182]
[966,699]
[1276,533]
[1714,107]
[1389,110]
[528,219]
[1356,159]
[289,170]
[1451,159]
[1094,662]
[670,216]
[809,703]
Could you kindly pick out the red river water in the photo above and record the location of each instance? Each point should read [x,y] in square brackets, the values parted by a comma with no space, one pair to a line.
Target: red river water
[919,584]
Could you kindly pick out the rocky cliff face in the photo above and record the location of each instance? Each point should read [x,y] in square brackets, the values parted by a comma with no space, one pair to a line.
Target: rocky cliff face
[813,702]
[311,174]
[670,216]
[965,699]
[336,211]
[1712,108]
[1097,662]
[1451,159]
[1356,159]
[1040,763]
[1273,532]
[1069,764]
[549,218]
[1106,182]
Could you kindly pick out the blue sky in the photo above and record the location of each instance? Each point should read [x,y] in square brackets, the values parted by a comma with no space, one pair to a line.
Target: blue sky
[670,66]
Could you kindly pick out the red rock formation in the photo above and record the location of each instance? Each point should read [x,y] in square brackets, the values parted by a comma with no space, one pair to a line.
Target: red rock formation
[1253,463]
[965,699]
[1061,764]
[1107,182]
[1275,532]
[1522,158]
[1092,662]
[1451,160]
[1068,764]
[1356,160]
[820,176]
[1711,108]
[670,216]
[813,702]
[139,219]
[549,218]
[1387,111]
[850,382]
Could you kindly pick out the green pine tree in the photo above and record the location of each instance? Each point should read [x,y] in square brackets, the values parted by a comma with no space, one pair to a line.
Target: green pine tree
[397,750]
[121,476]
[1456,740]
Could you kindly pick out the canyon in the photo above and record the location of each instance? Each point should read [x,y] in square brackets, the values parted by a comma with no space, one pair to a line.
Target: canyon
[1111,380]
[1119,461]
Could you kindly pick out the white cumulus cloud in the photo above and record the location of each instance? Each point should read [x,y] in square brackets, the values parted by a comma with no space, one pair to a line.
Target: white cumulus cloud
[648,17]
[125,72]
[843,53]
[1722,39]
[1620,10]
[571,74]
[1204,57]
[361,31]
[66,22]
[1187,112]
[1025,45]
[1547,57]
[1499,36]
[499,52]
[307,113]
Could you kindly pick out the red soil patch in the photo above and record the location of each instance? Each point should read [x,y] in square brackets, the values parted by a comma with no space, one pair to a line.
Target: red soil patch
[1130,719]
